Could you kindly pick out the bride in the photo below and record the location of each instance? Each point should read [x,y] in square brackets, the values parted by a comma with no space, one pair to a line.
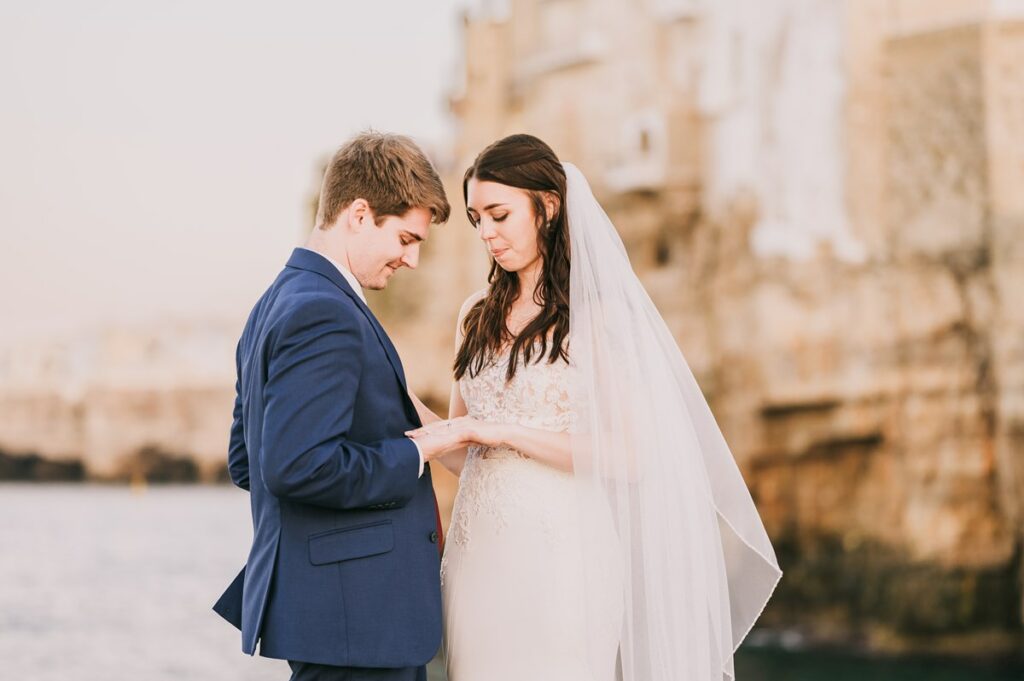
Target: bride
[602,529]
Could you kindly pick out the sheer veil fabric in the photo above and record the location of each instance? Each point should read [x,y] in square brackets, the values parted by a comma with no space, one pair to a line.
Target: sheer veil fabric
[677,534]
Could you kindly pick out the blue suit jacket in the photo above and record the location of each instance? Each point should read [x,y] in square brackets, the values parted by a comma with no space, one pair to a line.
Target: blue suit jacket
[344,566]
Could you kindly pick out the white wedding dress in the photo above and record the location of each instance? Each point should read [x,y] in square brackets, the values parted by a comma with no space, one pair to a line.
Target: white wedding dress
[649,562]
[511,574]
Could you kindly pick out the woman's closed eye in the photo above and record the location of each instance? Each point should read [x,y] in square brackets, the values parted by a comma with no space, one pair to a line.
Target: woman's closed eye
[496,218]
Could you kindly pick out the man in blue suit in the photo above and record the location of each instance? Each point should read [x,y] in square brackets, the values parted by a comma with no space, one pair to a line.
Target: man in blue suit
[343,576]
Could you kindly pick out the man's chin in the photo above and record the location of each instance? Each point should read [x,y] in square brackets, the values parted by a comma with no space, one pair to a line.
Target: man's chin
[382,282]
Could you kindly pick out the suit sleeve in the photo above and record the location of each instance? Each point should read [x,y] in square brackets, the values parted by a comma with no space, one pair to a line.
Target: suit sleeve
[238,455]
[309,398]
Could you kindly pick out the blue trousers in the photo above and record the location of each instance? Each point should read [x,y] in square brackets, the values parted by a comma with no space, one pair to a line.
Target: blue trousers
[309,671]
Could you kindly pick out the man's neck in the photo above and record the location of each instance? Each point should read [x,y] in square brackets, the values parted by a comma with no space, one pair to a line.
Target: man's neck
[345,272]
[337,253]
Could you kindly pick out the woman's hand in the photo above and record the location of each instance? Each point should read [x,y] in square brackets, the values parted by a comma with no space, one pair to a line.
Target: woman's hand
[464,429]
[550,448]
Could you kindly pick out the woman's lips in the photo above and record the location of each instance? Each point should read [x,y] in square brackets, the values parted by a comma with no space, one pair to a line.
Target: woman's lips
[498,253]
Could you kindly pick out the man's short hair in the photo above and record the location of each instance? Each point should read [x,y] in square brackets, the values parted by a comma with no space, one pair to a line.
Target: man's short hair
[389,171]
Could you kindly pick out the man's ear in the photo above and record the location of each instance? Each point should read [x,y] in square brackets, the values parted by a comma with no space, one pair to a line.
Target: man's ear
[359,215]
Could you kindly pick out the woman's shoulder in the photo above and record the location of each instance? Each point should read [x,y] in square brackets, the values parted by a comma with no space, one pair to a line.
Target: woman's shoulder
[464,310]
[472,300]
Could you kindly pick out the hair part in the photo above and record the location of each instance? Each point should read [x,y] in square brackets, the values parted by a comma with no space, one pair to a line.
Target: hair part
[390,172]
[527,163]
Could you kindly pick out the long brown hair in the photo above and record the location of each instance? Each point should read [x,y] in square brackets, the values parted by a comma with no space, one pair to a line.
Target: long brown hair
[525,162]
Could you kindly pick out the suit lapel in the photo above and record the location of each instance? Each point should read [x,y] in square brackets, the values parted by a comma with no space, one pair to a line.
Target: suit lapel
[305,259]
[382,336]
[389,348]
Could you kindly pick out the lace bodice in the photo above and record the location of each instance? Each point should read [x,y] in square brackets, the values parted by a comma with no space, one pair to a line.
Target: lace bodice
[501,482]
[537,396]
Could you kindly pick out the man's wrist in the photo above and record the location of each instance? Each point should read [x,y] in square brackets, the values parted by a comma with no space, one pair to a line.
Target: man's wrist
[419,452]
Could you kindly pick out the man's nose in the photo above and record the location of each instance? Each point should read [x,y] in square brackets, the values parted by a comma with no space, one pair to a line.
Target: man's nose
[411,258]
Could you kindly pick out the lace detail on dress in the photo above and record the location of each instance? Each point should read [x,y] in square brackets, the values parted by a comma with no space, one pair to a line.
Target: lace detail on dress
[538,395]
[500,482]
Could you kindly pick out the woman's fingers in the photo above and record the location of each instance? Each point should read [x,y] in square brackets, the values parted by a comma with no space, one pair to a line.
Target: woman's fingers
[443,427]
[436,427]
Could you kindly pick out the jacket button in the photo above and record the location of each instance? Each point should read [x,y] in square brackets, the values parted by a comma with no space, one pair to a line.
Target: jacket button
[433,537]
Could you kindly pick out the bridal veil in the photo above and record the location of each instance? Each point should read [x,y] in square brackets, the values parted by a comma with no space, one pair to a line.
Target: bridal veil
[678,536]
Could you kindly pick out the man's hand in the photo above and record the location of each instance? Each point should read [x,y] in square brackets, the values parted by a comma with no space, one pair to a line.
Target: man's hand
[440,437]
[437,445]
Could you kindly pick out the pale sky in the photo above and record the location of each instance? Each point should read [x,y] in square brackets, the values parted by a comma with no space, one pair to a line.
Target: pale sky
[156,159]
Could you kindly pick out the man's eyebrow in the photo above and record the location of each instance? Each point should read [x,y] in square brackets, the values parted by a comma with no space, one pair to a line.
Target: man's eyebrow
[414,235]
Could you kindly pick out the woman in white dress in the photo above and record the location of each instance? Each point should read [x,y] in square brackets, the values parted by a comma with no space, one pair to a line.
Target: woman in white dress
[601,529]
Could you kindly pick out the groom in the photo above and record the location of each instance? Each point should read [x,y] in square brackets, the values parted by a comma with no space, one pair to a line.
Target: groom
[343,576]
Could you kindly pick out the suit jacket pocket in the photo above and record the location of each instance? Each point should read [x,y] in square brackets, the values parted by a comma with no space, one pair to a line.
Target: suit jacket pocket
[346,543]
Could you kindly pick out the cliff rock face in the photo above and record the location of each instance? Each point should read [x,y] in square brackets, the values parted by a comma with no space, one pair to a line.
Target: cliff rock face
[834,232]
[876,404]
[151,403]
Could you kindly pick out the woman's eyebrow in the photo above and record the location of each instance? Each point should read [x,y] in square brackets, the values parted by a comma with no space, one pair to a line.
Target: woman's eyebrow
[487,207]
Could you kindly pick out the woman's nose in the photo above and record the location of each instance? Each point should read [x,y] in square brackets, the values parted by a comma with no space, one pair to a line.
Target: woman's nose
[487,230]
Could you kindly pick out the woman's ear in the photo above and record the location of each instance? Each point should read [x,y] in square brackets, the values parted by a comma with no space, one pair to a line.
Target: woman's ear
[552,205]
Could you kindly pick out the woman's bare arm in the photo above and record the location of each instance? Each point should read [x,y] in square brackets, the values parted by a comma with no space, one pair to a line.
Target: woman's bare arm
[455,459]
[426,416]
